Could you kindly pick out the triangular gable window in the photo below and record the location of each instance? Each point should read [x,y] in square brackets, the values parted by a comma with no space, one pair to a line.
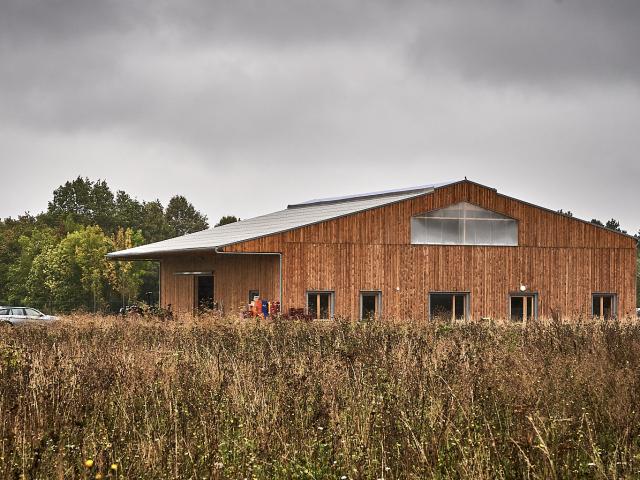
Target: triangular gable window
[463,224]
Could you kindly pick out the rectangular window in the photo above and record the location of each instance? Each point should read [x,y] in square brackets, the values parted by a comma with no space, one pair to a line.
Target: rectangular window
[604,305]
[370,305]
[253,294]
[448,306]
[320,305]
[523,307]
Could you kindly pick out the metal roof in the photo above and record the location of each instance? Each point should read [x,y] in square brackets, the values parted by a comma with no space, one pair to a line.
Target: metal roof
[294,216]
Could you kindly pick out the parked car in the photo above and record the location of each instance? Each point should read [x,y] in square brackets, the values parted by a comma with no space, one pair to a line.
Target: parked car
[19,315]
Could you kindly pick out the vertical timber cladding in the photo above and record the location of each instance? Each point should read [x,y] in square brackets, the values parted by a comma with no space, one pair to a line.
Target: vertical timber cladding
[234,276]
[562,259]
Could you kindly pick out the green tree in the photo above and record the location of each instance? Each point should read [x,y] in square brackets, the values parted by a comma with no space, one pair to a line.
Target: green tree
[128,212]
[227,219]
[126,277]
[614,224]
[183,218]
[595,221]
[82,202]
[154,223]
[568,213]
[91,248]
[54,279]
[11,230]
[56,260]
[75,273]
[40,240]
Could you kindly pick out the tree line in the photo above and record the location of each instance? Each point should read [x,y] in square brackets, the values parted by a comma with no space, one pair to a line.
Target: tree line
[56,260]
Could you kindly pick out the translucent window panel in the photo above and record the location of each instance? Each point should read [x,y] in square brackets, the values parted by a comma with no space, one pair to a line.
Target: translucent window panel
[504,232]
[433,229]
[478,232]
[451,231]
[464,224]
[473,211]
[454,211]
[418,230]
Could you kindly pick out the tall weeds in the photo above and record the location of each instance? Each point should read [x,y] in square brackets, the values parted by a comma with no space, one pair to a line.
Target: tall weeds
[215,398]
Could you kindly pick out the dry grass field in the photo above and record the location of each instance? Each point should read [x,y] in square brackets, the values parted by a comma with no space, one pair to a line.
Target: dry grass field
[220,398]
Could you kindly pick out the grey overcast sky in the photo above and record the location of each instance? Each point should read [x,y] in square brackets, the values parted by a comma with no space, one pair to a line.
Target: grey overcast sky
[244,106]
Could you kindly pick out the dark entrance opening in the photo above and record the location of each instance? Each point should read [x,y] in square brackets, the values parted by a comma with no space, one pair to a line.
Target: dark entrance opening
[448,306]
[205,292]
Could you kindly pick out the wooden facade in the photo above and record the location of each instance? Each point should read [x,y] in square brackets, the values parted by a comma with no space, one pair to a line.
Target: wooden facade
[233,277]
[560,259]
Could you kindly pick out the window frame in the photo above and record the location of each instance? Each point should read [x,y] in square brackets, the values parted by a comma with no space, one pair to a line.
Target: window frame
[332,302]
[536,300]
[378,299]
[614,304]
[467,303]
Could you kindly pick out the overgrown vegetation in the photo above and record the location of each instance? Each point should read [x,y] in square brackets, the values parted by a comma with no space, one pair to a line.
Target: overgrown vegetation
[216,398]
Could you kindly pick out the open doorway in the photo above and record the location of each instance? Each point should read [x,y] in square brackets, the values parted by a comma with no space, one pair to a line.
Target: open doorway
[204,291]
[523,307]
[448,306]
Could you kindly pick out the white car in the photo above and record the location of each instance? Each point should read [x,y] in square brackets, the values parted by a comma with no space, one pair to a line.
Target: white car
[19,315]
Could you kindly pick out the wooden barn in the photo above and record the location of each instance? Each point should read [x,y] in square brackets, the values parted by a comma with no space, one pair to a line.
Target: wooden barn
[456,250]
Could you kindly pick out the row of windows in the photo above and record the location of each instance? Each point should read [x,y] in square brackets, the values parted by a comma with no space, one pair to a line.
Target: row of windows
[452,305]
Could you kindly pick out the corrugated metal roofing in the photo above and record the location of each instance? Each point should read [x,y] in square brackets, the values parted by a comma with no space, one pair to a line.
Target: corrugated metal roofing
[294,216]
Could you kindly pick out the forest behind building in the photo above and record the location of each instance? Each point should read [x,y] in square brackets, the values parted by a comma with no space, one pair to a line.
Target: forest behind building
[55,260]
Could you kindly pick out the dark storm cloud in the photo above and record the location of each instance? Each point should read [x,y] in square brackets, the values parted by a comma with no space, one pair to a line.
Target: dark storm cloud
[356,95]
[538,43]
[83,64]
